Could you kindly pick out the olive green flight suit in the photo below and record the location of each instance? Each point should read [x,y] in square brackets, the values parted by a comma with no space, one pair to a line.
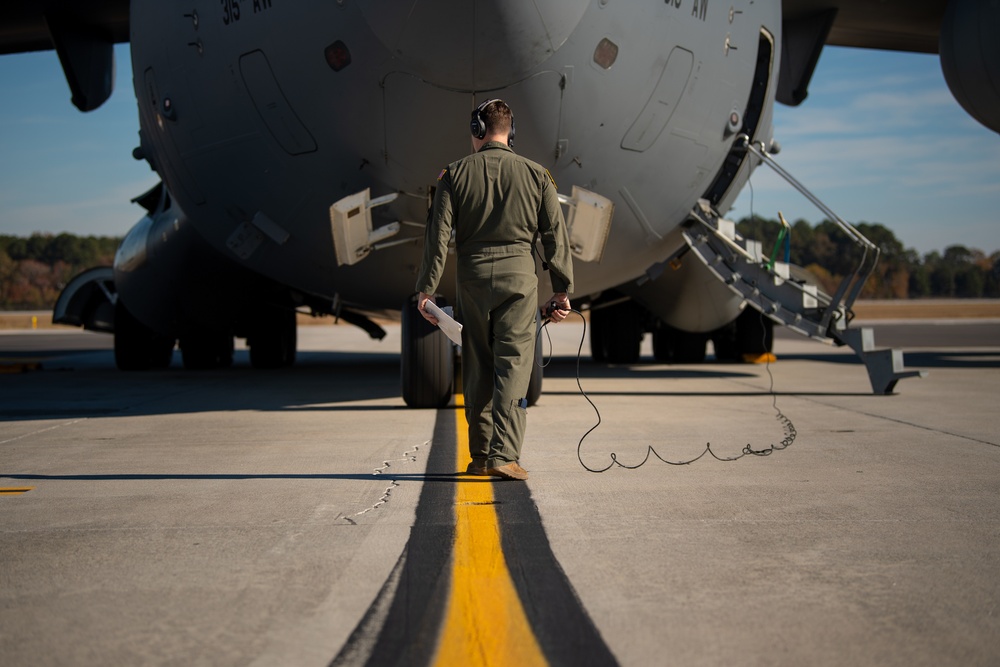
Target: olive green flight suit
[496,201]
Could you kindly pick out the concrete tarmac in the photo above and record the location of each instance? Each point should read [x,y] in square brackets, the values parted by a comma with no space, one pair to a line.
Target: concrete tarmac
[246,517]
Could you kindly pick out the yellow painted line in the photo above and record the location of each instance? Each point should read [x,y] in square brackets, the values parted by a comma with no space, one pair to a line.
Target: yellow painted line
[485,623]
[14,490]
[19,366]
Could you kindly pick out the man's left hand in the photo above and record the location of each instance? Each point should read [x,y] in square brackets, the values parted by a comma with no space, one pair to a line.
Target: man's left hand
[557,307]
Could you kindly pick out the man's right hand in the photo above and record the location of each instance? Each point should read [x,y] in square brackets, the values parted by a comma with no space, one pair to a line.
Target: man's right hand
[423,299]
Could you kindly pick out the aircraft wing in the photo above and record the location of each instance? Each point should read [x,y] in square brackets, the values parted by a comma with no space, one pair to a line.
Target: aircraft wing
[808,25]
[900,25]
[82,32]
[895,25]
[25,24]
[904,25]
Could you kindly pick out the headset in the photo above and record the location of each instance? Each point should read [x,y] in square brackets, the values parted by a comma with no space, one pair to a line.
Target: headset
[478,126]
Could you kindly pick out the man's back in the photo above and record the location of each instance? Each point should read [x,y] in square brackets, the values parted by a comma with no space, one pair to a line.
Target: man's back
[499,197]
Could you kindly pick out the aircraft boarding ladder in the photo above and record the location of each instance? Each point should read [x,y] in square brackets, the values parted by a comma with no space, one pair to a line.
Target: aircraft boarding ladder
[768,286]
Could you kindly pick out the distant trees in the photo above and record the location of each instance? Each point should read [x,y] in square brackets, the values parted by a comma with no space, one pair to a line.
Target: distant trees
[829,255]
[962,272]
[34,269]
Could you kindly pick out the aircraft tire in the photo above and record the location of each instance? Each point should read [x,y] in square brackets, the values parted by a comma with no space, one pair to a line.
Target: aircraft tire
[137,347]
[427,361]
[754,333]
[273,338]
[162,352]
[671,345]
[598,334]
[724,343]
[663,343]
[616,333]
[207,351]
[689,348]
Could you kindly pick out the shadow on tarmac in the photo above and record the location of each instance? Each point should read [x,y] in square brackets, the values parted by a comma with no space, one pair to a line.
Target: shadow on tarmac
[914,359]
[454,478]
[89,385]
[85,384]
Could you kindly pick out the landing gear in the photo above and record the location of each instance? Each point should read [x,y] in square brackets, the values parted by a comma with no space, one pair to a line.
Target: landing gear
[618,323]
[672,345]
[272,338]
[615,331]
[137,347]
[207,350]
[724,342]
[754,334]
[749,336]
[427,362]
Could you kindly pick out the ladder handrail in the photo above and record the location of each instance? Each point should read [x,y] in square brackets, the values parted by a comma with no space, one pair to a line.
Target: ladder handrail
[860,274]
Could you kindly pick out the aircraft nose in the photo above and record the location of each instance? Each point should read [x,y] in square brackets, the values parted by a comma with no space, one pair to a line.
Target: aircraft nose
[473,44]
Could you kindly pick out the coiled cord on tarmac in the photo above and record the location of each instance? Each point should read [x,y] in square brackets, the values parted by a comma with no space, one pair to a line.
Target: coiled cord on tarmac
[787,426]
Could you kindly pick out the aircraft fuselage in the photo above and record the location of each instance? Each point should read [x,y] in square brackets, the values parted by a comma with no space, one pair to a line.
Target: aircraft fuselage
[261,114]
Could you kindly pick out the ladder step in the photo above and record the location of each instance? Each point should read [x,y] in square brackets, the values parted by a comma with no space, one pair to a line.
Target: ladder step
[860,340]
[770,289]
[886,368]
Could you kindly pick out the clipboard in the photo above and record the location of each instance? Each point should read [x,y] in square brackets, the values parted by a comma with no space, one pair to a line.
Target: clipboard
[447,324]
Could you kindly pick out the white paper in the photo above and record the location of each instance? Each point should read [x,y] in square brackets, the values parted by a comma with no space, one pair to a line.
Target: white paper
[447,324]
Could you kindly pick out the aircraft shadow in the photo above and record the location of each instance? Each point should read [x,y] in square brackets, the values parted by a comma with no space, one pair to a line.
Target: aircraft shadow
[915,359]
[89,385]
[565,367]
[86,384]
[453,478]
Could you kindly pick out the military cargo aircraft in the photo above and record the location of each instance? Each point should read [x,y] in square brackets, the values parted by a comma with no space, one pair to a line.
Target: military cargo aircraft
[298,143]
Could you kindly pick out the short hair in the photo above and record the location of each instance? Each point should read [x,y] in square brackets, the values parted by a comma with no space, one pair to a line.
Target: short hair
[498,117]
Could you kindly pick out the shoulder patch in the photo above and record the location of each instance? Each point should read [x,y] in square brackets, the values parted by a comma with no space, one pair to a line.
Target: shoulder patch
[550,178]
[445,171]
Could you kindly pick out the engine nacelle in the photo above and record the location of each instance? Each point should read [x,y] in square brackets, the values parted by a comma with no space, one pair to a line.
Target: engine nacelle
[687,296]
[175,283]
[970,58]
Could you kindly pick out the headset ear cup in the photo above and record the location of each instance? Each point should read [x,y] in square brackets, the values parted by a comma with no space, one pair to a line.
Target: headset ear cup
[477,126]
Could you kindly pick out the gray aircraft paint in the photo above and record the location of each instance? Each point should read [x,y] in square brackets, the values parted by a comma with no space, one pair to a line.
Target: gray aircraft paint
[245,120]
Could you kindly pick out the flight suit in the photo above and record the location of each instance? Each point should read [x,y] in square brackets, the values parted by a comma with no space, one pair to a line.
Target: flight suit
[496,201]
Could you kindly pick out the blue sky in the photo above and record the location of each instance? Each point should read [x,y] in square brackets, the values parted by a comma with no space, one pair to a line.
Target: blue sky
[880,139]
[63,170]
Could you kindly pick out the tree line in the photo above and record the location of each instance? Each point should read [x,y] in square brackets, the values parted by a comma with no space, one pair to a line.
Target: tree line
[34,269]
[829,255]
